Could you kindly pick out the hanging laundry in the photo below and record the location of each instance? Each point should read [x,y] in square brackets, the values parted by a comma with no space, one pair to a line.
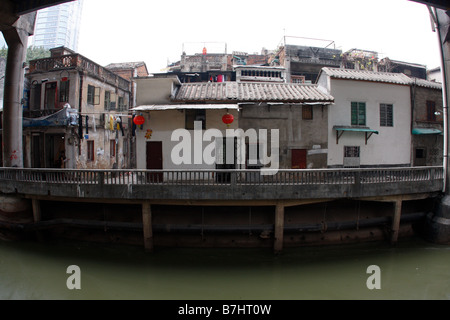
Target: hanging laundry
[121,126]
[111,123]
[80,127]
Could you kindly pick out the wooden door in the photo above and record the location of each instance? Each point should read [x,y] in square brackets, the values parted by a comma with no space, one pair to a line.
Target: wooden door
[298,159]
[154,160]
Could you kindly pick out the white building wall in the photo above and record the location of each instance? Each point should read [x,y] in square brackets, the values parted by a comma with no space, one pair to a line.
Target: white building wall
[392,146]
[163,123]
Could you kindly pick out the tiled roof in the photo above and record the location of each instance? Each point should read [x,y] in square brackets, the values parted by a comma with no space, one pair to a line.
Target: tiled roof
[386,77]
[250,91]
[352,74]
[427,83]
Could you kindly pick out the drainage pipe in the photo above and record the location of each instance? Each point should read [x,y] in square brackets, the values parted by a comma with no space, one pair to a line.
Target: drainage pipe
[244,229]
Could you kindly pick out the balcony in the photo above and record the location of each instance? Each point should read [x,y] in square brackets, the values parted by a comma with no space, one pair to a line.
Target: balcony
[39,113]
[78,62]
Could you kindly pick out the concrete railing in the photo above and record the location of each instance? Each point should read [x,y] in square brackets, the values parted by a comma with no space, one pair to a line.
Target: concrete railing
[221,184]
[77,61]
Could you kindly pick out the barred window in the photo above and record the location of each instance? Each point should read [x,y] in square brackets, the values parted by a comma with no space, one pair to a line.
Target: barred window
[386,115]
[351,152]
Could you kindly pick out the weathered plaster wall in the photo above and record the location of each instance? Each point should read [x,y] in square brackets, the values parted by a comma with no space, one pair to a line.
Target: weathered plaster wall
[294,132]
[392,146]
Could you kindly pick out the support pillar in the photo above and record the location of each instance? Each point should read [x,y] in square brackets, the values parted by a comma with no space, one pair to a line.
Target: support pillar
[396,221]
[437,225]
[36,206]
[16,37]
[36,210]
[147,225]
[279,227]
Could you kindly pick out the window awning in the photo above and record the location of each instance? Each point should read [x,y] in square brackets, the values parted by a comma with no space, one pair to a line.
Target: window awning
[426,131]
[162,107]
[367,131]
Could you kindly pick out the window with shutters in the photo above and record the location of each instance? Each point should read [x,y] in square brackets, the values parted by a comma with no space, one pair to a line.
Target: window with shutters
[93,95]
[107,100]
[358,113]
[307,112]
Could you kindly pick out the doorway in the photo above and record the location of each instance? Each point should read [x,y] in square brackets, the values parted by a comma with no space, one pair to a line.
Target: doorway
[226,159]
[54,149]
[298,158]
[154,160]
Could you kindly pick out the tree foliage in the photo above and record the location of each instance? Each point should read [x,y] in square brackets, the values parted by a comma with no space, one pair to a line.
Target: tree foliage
[33,53]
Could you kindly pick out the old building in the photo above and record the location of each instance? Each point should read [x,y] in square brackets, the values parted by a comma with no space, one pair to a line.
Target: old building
[77,115]
[381,119]
[288,120]
[410,69]
[360,60]
[256,73]
[214,67]
[129,70]
[427,125]
[203,67]
[370,122]
[303,63]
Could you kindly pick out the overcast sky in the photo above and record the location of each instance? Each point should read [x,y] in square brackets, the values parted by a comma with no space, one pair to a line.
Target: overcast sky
[157,31]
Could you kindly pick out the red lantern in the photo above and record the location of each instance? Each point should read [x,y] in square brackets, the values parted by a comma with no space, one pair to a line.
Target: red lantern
[139,120]
[228,119]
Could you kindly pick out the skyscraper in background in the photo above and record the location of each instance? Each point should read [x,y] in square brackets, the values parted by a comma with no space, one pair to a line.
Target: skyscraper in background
[58,26]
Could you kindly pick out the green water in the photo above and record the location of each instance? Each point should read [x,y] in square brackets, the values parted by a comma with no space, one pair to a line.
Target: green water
[414,269]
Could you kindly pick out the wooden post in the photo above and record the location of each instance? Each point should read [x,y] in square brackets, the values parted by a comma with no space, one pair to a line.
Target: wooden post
[147,225]
[396,221]
[279,227]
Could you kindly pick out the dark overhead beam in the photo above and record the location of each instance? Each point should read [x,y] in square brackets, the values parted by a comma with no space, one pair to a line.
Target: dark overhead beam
[440,4]
[26,6]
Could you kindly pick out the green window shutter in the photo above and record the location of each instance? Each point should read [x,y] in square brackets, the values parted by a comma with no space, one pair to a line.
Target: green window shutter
[358,113]
[354,113]
[362,113]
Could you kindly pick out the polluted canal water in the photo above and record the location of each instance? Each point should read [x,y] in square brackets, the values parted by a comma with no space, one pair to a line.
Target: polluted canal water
[413,269]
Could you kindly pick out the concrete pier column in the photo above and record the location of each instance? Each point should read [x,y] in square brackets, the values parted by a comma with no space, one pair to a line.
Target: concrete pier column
[36,207]
[36,210]
[437,226]
[279,227]
[16,37]
[147,225]
[396,221]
